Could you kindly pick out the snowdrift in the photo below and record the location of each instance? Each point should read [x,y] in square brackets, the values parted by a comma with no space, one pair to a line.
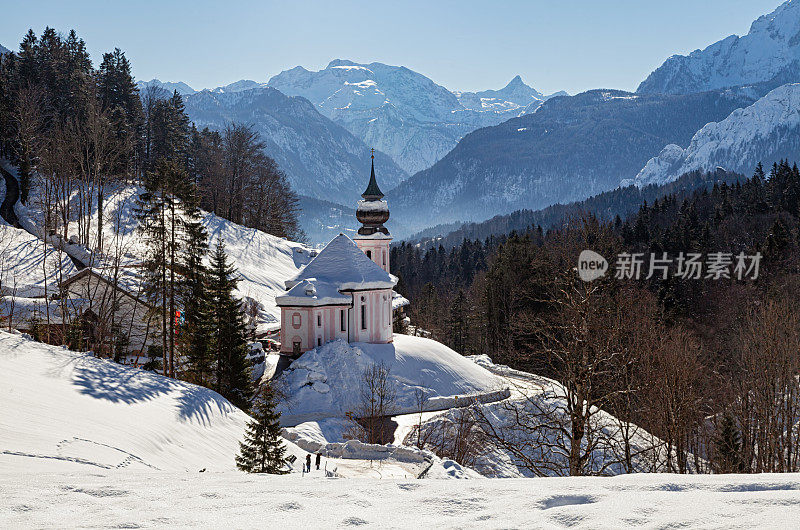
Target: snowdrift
[326,381]
[67,411]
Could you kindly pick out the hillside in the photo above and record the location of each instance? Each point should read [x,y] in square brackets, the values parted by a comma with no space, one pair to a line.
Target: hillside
[569,149]
[320,158]
[69,412]
[767,131]
[622,201]
[770,52]
[401,112]
[326,381]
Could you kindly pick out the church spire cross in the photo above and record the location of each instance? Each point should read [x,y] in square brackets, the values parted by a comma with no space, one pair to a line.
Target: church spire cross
[373,192]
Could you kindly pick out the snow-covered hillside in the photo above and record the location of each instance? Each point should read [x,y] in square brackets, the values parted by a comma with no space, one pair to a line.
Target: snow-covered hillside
[66,411]
[399,111]
[326,381]
[766,131]
[770,51]
[320,158]
[262,261]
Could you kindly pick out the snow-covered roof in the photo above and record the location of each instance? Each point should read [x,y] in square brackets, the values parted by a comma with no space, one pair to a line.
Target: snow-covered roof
[340,266]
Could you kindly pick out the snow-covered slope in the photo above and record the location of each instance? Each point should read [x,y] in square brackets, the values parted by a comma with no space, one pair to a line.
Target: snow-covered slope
[27,266]
[766,131]
[262,261]
[182,88]
[326,381]
[399,111]
[771,50]
[67,411]
[320,158]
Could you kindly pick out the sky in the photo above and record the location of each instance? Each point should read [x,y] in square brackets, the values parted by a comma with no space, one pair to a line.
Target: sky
[571,45]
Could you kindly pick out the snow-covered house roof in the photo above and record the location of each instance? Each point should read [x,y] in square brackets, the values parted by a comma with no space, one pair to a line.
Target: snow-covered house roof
[339,267]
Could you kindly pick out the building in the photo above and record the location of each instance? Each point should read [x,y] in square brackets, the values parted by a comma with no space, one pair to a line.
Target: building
[346,291]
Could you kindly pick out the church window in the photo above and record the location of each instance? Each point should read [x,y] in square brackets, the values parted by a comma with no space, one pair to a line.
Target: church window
[363,317]
[341,320]
[296,320]
[384,258]
[319,320]
[369,254]
[319,341]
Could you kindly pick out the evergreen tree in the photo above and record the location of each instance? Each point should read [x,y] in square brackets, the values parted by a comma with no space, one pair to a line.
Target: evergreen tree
[727,447]
[228,332]
[457,324]
[262,450]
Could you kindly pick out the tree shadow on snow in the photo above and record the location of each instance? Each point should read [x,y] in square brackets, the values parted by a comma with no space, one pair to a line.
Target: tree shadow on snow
[103,379]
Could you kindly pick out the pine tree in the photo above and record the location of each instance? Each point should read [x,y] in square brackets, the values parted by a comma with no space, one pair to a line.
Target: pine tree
[262,450]
[228,332]
[193,336]
[727,447]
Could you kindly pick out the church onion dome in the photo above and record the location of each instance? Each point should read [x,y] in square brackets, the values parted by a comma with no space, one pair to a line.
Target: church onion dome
[373,211]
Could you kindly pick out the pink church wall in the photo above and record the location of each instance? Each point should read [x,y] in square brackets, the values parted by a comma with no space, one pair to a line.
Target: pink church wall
[379,250]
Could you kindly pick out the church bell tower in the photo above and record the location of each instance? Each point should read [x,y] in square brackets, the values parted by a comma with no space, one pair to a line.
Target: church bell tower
[373,238]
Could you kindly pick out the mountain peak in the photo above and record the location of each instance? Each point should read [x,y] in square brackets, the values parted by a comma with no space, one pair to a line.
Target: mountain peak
[516,82]
[770,52]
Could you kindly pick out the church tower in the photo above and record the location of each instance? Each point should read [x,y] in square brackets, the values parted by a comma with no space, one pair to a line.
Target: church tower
[373,238]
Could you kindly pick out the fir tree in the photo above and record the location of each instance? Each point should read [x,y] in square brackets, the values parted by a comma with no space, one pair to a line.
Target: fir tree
[228,332]
[727,447]
[262,450]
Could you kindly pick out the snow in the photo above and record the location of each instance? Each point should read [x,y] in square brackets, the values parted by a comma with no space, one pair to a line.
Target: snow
[765,131]
[447,378]
[28,265]
[71,413]
[770,49]
[233,500]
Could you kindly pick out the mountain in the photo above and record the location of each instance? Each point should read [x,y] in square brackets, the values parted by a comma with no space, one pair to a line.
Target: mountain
[238,86]
[401,112]
[622,201]
[770,51]
[182,88]
[569,149]
[515,95]
[766,131]
[320,158]
[4,50]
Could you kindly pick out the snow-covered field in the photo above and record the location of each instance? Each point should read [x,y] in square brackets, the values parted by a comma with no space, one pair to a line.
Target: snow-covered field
[234,500]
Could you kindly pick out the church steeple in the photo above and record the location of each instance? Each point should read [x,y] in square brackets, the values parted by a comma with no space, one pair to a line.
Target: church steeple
[373,192]
[373,211]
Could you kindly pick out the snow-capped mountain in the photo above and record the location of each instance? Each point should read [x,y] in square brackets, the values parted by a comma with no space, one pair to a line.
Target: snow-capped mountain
[766,131]
[320,158]
[569,149]
[238,86]
[516,94]
[182,88]
[770,51]
[401,112]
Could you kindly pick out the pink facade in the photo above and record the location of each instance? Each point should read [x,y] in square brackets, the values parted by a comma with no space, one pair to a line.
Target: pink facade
[376,249]
[304,328]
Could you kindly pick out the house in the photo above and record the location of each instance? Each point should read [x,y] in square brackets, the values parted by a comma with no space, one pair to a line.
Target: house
[346,291]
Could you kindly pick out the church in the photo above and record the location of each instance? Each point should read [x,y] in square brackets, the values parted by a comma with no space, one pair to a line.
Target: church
[346,291]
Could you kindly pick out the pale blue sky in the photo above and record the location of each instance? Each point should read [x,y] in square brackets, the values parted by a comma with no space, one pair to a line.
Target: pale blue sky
[572,45]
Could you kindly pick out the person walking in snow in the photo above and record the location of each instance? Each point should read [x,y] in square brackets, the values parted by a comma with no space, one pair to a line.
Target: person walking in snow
[319,457]
[308,462]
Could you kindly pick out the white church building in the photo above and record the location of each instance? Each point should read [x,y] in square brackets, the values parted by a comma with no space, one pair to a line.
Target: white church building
[346,291]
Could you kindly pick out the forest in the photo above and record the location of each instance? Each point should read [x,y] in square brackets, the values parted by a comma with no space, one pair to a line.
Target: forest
[708,365]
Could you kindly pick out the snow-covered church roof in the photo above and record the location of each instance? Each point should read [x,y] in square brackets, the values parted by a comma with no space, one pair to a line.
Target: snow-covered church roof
[340,266]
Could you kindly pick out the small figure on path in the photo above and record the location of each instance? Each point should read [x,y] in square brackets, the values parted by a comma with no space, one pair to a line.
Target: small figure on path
[319,457]
[308,462]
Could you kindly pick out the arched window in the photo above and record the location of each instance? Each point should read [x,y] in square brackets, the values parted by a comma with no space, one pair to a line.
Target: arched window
[369,254]
[363,316]
[384,259]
